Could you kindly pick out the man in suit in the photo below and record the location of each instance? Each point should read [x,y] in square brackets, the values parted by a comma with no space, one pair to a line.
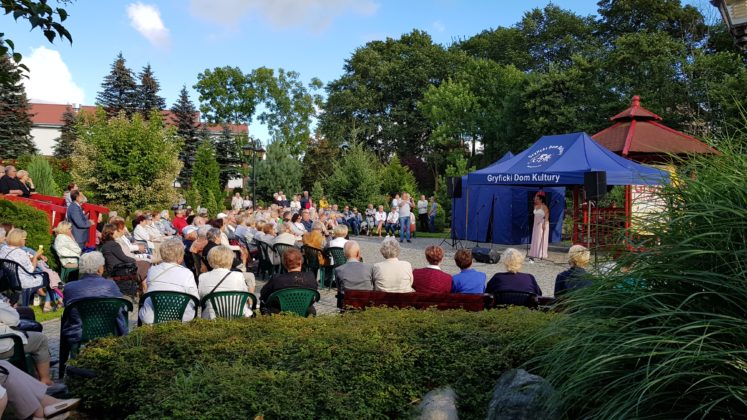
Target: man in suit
[78,219]
[354,274]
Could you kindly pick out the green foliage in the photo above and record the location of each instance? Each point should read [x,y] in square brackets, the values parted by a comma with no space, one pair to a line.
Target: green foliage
[371,364]
[663,333]
[119,90]
[192,196]
[41,172]
[228,154]
[65,144]
[227,95]
[34,222]
[206,178]
[61,169]
[279,171]
[15,121]
[355,179]
[459,168]
[318,161]
[148,98]
[185,120]
[130,163]
[396,178]
[317,191]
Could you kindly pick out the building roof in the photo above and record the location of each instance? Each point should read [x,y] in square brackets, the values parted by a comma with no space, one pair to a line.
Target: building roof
[51,115]
[639,132]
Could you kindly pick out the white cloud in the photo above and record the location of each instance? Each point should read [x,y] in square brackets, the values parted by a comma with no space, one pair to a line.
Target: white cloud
[439,26]
[49,79]
[315,15]
[146,19]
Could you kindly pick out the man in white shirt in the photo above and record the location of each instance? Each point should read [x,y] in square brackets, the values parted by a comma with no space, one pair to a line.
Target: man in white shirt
[236,202]
[423,213]
[170,276]
[405,209]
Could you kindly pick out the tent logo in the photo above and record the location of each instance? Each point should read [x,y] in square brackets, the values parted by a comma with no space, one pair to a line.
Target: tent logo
[543,156]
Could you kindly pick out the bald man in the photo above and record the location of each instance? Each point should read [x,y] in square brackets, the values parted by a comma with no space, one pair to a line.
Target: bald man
[354,274]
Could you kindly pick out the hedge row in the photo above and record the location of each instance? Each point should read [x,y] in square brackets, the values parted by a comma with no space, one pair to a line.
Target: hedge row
[372,364]
[33,221]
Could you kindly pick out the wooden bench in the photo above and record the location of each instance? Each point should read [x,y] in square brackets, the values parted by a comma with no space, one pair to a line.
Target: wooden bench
[361,299]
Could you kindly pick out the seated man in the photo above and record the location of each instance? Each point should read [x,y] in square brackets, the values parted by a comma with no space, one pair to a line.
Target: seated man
[294,278]
[11,185]
[432,279]
[89,285]
[469,280]
[170,276]
[354,275]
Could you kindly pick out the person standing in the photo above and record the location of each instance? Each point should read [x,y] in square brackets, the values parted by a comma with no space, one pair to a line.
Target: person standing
[540,228]
[432,215]
[405,208]
[423,213]
[77,218]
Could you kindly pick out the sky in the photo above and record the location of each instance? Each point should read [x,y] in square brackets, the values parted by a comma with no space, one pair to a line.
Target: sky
[181,38]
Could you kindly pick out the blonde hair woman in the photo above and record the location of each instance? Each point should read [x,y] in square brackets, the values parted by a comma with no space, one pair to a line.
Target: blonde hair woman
[576,276]
[221,279]
[33,262]
[65,245]
[513,280]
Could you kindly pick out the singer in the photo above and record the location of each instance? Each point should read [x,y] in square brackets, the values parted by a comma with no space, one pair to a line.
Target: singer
[540,228]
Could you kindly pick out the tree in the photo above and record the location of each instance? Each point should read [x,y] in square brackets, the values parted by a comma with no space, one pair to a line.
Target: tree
[147,93]
[227,95]
[118,90]
[279,171]
[15,120]
[460,168]
[40,15]
[620,17]
[41,172]
[126,163]
[206,178]
[318,161]
[396,178]
[65,144]
[185,121]
[355,179]
[228,153]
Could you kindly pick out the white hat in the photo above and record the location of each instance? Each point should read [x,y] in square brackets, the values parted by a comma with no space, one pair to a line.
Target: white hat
[222,215]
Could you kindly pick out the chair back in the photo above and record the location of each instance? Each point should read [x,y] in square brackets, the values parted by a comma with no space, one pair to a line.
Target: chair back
[528,300]
[56,256]
[98,315]
[10,278]
[228,304]
[311,258]
[168,306]
[295,300]
[338,256]
[197,264]
[280,250]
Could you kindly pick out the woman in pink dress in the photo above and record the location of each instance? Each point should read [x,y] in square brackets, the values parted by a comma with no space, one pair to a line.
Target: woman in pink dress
[540,228]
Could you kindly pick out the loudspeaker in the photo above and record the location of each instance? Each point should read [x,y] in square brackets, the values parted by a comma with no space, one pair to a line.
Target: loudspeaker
[486,255]
[454,186]
[595,184]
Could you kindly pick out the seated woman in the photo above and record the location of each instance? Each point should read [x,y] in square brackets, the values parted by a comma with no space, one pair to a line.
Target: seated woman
[338,237]
[115,257]
[392,275]
[65,245]
[294,278]
[469,280]
[315,239]
[286,236]
[27,183]
[34,343]
[574,277]
[392,221]
[170,276]
[432,279]
[221,279]
[28,397]
[379,220]
[33,262]
[512,280]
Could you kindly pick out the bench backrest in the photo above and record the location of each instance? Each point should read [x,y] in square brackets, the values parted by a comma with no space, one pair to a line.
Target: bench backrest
[364,298]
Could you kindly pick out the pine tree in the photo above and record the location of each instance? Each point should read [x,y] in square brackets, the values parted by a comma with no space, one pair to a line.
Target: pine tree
[228,154]
[185,120]
[206,177]
[15,120]
[147,93]
[119,90]
[66,142]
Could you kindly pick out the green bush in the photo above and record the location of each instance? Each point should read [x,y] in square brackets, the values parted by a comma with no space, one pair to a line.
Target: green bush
[663,334]
[41,173]
[33,221]
[373,364]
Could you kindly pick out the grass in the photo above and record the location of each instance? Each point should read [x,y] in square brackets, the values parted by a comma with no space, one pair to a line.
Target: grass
[42,316]
[437,235]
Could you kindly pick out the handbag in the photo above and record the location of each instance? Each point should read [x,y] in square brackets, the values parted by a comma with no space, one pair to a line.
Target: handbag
[124,269]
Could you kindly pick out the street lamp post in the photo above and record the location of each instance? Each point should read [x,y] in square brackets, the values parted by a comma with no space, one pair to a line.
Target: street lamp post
[734,13]
[254,150]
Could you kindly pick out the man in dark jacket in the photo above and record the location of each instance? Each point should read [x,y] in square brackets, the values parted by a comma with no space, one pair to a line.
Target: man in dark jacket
[76,216]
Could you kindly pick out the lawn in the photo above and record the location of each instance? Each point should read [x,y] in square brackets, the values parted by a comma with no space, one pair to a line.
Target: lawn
[42,316]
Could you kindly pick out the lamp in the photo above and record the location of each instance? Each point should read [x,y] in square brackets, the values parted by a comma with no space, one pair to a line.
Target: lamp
[734,13]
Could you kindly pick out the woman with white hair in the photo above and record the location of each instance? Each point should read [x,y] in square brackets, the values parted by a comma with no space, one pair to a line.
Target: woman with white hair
[576,276]
[65,245]
[392,275]
[338,234]
[512,280]
[221,279]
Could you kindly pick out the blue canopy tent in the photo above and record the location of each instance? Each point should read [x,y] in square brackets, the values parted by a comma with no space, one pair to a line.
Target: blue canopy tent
[498,197]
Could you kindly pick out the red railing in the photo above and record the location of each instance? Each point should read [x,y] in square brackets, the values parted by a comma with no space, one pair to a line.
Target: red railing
[605,228]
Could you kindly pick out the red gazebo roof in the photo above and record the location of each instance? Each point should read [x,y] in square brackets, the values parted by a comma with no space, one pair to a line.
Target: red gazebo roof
[638,133]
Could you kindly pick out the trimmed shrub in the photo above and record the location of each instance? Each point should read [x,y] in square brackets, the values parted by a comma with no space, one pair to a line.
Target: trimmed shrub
[33,221]
[41,172]
[372,364]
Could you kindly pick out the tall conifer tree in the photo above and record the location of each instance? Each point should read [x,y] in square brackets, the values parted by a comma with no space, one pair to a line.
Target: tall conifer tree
[228,154]
[15,118]
[66,142]
[185,120]
[147,93]
[119,90]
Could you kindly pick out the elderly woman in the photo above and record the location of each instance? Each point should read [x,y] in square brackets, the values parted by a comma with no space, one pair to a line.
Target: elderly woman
[315,239]
[221,279]
[26,182]
[65,244]
[576,276]
[34,343]
[115,257]
[170,276]
[432,279]
[33,262]
[286,236]
[294,278]
[392,221]
[338,237]
[164,225]
[379,220]
[512,280]
[469,280]
[392,275]
[28,397]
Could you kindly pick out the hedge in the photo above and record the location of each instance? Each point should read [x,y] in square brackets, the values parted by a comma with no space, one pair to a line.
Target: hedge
[372,364]
[33,221]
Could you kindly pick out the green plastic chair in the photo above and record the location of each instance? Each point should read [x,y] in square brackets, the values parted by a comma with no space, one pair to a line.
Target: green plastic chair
[228,304]
[338,258]
[311,263]
[65,272]
[280,250]
[168,306]
[265,269]
[20,358]
[295,300]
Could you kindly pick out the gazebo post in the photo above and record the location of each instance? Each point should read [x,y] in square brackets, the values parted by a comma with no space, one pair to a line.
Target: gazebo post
[575,214]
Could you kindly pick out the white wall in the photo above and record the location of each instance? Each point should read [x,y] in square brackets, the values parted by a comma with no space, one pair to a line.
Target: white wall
[44,138]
